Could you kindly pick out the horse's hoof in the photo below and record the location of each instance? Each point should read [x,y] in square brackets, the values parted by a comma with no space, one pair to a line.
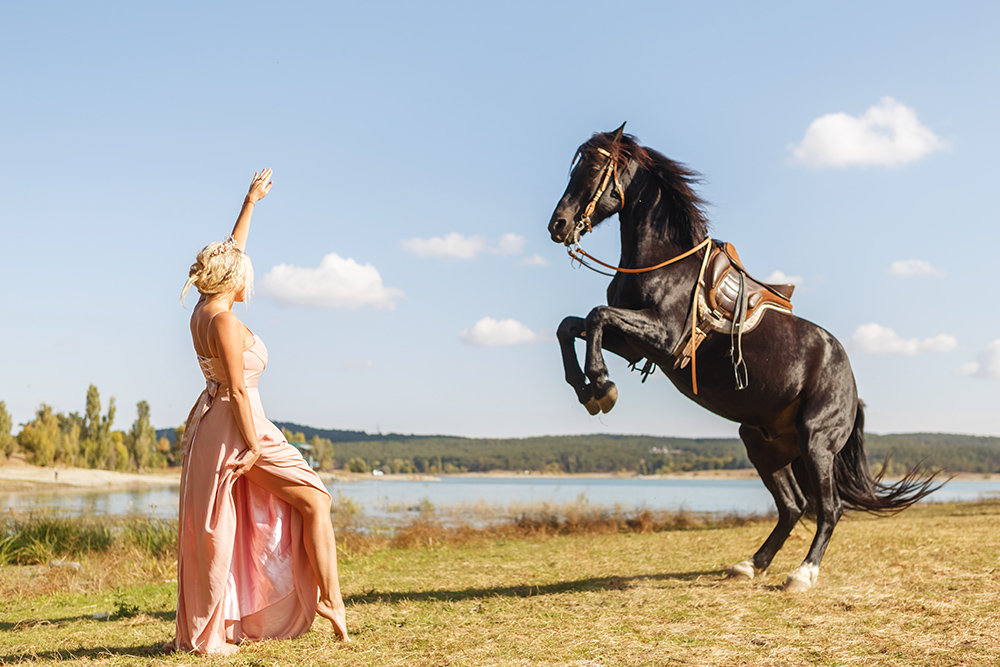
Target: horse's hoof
[609,399]
[593,407]
[745,570]
[801,578]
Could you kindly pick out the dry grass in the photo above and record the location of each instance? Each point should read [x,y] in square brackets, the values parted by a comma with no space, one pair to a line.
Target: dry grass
[921,588]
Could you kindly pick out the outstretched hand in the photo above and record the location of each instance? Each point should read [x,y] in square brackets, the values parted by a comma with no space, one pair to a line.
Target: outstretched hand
[260,185]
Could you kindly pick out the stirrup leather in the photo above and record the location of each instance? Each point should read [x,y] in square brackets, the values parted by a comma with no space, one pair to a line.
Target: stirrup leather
[729,301]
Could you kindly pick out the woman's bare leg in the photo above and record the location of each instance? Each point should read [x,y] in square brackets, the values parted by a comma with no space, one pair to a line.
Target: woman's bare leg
[319,540]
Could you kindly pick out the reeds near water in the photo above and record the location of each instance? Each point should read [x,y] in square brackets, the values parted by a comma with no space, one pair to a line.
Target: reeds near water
[45,539]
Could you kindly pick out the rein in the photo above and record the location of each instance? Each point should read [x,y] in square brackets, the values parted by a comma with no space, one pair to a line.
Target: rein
[579,253]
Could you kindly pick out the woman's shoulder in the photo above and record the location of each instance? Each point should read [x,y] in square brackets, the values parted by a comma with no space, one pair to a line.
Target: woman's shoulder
[229,332]
[223,318]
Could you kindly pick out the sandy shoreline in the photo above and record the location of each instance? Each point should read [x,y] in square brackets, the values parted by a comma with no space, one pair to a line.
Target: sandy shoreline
[19,477]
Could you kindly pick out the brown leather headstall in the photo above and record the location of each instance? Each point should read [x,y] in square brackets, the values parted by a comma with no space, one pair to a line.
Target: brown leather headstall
[610,173]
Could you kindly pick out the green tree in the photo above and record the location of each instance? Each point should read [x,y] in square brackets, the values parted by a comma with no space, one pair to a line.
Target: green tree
[96,443]
[118,457]
[357,464]
[70,428]
[40,437]
[322,452]
[7,440]
[174,457]
[141,438]
[90,432]
[161,456]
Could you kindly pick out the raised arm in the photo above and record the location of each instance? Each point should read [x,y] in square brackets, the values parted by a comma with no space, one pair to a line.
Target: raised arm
[259,187]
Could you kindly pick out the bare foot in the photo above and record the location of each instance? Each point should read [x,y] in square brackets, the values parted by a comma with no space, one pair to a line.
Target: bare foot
[337,617]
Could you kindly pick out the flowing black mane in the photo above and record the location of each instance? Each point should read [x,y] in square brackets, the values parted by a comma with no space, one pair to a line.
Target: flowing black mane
[689,224]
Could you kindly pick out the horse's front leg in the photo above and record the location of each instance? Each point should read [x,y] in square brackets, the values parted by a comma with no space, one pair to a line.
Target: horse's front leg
[640,326]
[569,330]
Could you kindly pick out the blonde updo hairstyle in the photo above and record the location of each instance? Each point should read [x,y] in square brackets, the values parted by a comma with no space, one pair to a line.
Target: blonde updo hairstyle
[221,269]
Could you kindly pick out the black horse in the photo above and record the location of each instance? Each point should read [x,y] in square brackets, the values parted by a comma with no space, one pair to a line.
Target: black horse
[800,417]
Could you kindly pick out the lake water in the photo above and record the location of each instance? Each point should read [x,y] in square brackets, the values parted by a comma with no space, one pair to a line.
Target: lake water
[503,496]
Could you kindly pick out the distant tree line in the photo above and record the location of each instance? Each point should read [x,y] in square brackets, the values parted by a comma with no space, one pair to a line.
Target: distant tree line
[553,454]
[947,451]
[89,440]
[632,454]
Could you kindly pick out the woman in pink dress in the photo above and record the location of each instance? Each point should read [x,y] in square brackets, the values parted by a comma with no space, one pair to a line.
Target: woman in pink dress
[256,556]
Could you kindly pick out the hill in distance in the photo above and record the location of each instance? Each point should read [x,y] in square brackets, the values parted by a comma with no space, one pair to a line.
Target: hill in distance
[397,452]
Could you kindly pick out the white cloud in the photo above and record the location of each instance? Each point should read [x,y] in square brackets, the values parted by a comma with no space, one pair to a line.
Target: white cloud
[358,364]
[452,245]
[987,364]
[510,244]
[535,260]
[878,339]
[336,283]
[887,134]
[464,247]
[779,277]
[489,332]
[906,268]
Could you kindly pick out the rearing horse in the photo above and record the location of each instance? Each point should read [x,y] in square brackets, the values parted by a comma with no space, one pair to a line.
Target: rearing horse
[800,417]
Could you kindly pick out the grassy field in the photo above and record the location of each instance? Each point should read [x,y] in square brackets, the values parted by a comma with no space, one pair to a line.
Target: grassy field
[921,588]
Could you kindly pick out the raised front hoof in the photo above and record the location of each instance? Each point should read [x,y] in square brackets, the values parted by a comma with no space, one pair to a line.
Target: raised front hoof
[801,579]
[745,570]
[608,400]
[593,407]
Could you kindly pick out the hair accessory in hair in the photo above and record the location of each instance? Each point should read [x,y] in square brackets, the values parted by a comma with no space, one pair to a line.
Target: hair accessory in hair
[225,246]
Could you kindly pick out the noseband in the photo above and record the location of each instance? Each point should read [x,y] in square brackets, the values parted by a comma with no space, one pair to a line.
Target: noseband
[610,172]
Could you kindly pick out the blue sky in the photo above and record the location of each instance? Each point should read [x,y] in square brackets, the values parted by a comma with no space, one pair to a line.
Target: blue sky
[418,150]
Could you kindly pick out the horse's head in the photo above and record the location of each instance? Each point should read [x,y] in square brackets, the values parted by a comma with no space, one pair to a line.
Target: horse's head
[602,169]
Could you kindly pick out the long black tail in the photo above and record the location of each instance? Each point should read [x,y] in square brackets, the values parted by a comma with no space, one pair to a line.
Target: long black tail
[860,490]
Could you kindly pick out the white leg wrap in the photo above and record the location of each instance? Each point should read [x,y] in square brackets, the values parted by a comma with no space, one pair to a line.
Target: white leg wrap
[801,578]
[746,570]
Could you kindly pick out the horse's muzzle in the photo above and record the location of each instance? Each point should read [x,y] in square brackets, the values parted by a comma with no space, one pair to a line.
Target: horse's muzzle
[565,231]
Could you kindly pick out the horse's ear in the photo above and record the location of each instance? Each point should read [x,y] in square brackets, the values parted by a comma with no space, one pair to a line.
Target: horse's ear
[619,132]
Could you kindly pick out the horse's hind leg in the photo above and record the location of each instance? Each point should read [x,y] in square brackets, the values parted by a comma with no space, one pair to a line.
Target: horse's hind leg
[822,439]
[788,497]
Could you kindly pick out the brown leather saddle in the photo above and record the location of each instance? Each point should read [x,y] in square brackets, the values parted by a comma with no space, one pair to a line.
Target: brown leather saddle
[730,301]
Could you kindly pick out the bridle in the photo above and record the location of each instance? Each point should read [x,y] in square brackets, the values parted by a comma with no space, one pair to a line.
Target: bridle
[576,251]
[610,172]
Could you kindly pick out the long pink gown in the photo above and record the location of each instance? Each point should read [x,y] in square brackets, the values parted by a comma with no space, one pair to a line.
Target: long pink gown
[242,569]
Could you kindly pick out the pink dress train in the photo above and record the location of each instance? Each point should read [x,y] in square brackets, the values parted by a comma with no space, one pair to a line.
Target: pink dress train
[242,569]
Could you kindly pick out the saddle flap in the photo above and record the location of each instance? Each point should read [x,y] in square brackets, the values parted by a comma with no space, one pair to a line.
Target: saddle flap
[722,284]
[729,301]
[783,290]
